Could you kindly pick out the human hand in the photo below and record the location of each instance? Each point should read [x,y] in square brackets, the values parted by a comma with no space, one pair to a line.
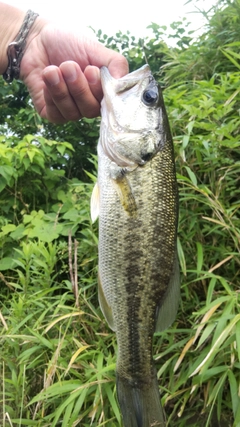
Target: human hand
[61,71]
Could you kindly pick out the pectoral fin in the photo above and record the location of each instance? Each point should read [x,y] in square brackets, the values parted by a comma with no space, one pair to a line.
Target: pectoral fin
[168,310]
[126,195]
[105,307]
[95,203]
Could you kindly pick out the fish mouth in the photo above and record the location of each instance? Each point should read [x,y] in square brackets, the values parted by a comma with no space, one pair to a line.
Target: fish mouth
[126,145]
[124,83]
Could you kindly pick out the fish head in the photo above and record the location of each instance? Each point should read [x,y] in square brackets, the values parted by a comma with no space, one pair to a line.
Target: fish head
[132,110]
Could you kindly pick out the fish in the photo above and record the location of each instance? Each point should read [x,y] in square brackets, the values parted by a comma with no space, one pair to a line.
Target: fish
[136,200]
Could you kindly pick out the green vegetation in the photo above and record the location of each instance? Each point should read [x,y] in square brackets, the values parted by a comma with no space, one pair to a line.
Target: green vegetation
[57,355]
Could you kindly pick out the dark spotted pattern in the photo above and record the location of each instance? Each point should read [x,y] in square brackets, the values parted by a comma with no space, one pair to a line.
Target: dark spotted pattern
[136,254]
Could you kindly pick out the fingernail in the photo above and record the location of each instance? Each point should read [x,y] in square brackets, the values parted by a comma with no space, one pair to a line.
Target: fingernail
[52,76]
[93,77]
[69,73]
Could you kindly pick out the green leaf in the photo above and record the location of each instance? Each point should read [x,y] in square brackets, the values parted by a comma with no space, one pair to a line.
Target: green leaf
[8,228]
[231,55]
[18,232]
[181,257]
[56,389]
[72,214]
[199,258]
[191,175]
[45,232]
[238,339]
[113,402]
[61,149]
[31,154]
[234,391]
[7,172]
[25,422]
[3,184]
[216,345]
[7,263]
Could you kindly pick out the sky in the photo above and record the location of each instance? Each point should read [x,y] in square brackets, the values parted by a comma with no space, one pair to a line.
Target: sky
[112,16]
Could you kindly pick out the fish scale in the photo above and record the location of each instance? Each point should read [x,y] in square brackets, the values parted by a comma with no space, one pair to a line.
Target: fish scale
[138,215]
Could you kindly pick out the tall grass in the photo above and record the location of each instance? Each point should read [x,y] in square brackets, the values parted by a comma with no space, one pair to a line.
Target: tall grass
[57,355]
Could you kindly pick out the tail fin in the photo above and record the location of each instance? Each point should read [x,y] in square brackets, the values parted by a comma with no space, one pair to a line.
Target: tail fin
[140,407]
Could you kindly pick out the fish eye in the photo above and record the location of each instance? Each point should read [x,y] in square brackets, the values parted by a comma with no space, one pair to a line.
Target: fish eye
[150,97]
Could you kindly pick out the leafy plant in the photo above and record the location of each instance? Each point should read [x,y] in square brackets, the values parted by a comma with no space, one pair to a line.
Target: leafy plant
[57,355]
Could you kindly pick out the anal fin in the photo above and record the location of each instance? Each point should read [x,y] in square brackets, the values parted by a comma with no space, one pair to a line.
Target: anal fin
[168,310]
[105,307]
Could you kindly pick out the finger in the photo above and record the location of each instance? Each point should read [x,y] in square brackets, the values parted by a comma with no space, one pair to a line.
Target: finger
[118,66]
[80,90]
[92,75]
[50,111]
[60,105]
[99,56]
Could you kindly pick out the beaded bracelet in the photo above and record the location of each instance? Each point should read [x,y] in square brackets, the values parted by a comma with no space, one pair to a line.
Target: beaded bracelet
[16,49]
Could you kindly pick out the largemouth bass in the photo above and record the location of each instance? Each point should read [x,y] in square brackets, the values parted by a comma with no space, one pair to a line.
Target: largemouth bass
[136,198]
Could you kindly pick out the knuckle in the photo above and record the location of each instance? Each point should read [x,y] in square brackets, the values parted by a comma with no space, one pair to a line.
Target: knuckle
[53,115]
[73,116]
[92,113]
[60,97]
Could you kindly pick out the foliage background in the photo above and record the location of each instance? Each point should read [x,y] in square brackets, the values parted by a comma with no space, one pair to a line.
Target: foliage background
[57,356]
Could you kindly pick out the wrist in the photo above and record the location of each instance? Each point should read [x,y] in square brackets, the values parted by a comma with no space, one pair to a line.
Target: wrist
[18,30]
[30,49]
[11,21]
